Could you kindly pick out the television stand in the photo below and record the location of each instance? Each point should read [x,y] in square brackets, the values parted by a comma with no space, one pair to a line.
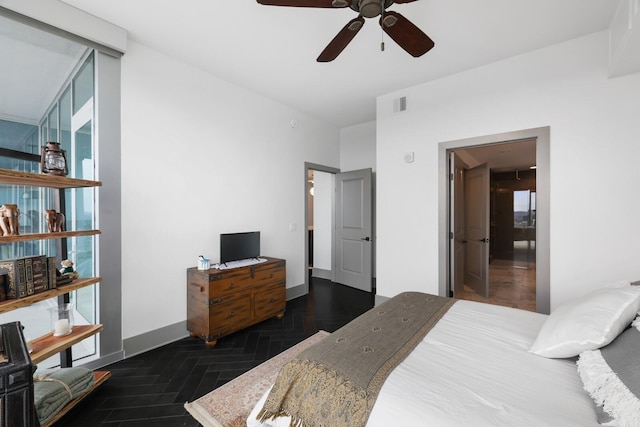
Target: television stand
[223,301]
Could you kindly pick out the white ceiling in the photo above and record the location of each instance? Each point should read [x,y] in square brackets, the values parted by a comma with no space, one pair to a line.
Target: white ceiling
[501,157]
[272,50]
[35,65]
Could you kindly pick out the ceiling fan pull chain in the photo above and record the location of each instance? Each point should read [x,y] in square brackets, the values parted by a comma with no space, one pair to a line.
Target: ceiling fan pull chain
[381,29]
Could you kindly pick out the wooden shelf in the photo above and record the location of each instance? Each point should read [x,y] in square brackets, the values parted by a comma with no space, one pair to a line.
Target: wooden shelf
[12,304]
[99,378]
[45,236]
[42,180]
[47,345]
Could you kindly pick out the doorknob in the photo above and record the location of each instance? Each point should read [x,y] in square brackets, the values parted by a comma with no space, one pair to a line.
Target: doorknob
[366,239]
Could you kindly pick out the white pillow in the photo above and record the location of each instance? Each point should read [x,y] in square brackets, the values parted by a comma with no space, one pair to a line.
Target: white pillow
[618,284]
[587,323]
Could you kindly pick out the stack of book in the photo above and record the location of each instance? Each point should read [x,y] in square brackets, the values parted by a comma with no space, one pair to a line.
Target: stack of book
[28,275]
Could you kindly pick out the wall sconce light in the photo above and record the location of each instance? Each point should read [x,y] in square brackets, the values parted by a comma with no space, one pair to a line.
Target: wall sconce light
[53,160]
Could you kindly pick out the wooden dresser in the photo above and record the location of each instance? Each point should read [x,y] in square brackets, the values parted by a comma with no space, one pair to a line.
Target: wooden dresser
[220,302]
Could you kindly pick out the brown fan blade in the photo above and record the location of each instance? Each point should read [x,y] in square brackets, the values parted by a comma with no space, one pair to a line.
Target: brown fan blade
[406,34]
[308,3]
[341,40]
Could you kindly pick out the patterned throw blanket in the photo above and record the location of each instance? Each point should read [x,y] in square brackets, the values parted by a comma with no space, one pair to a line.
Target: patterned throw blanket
[336,382]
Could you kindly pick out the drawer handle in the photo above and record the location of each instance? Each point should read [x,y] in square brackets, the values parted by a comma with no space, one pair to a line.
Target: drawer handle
[272,300]
[232,313]
[197,286]
[231,285]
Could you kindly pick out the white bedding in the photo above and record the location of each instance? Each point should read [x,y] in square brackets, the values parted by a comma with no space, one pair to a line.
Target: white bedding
[474,369]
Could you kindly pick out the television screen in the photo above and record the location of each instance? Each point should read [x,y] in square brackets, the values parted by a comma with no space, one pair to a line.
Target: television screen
[237,246]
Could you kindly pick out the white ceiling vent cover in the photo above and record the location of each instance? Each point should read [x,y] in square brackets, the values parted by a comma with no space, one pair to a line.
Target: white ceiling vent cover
[400,104]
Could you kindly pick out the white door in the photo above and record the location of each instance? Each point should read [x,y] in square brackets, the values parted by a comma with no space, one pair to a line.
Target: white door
[476,208]
[457,231]
[353,229]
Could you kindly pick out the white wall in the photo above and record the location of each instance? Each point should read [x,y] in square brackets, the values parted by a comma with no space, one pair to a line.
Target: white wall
[358,147]
[594,153]
[358,151]
[201,157]
[323,220]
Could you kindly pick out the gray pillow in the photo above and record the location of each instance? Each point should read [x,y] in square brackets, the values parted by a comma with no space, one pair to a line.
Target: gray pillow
[611,376]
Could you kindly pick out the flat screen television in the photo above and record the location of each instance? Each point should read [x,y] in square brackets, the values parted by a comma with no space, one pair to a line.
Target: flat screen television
[237,246]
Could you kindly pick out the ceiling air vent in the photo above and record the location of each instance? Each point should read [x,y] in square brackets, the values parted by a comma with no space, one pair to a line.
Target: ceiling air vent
[400,104]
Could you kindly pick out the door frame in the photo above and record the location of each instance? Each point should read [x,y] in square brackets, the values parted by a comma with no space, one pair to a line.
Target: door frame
[456,211]
[543,271]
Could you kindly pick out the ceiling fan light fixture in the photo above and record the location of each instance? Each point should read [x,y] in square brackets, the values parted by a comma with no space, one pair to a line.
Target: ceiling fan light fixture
[370,8]
[339,3]
[389,20]
[355,25]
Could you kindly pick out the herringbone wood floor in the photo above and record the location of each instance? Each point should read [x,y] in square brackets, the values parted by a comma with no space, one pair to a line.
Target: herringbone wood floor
[150,389]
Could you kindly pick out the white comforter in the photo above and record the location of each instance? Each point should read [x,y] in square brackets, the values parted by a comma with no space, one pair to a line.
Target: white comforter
[473,369]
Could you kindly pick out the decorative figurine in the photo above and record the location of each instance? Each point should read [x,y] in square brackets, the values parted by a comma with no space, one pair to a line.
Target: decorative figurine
[55,220]
[67,269]
[9,220]
[53,160]
[67,266]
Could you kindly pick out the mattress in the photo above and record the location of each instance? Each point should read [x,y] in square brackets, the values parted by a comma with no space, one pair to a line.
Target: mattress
[474,368]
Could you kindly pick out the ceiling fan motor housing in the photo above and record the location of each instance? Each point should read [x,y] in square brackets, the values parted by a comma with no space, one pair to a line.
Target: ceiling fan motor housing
[370,8]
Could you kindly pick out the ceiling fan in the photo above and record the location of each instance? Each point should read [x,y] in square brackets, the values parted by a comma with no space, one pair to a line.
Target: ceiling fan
[400,29]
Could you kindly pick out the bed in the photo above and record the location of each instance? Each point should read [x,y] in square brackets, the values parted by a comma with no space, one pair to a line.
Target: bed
[476,364]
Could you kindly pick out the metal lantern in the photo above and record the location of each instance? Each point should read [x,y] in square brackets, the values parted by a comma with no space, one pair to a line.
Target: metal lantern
[53,160]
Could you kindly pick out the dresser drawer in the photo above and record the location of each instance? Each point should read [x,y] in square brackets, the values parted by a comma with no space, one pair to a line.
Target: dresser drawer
[269,275]
[270,302]
[256,277]
[228,316]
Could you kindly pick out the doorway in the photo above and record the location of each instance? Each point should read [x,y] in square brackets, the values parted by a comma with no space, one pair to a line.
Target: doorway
[507,240]
[320,223]
[517,243]
[338,225]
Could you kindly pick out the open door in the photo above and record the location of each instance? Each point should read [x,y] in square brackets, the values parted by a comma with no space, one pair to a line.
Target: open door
[353,229]
[457,230]
[476,208]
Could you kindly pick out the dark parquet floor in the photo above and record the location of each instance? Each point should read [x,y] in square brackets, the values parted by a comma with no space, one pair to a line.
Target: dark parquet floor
[150,389]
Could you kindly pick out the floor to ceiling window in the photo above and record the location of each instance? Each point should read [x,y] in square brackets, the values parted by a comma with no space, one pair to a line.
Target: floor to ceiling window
[69,121]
